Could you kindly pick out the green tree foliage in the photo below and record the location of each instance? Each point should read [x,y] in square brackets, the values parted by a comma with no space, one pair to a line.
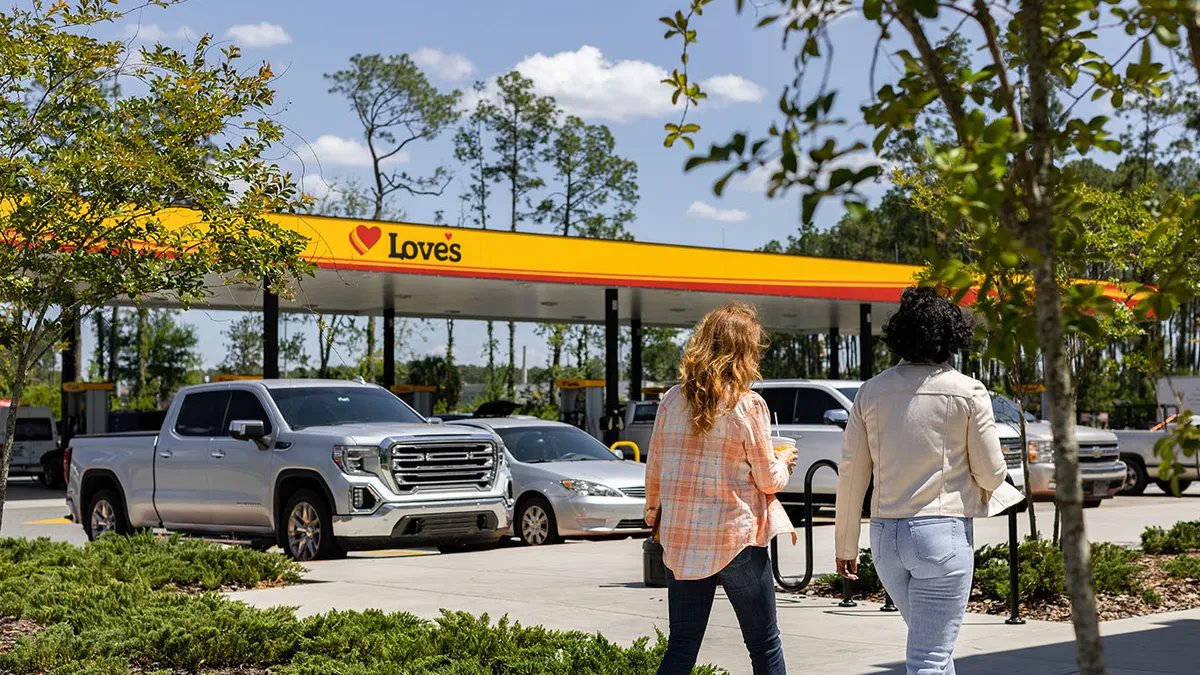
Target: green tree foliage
[520,122]
[90,181]
[157,355]
[439,372]
[243,346]
[1012,116]
[396,106]
[662,350]
[596,189]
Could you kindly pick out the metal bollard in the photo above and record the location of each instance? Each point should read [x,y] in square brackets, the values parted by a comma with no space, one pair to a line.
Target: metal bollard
[847,595]
[1014,580]
[888,605]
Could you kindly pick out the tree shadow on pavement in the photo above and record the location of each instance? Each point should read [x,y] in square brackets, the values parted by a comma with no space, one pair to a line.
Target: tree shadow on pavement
[1171,647]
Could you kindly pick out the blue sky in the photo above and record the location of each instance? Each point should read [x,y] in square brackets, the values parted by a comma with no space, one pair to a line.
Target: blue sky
[601,59]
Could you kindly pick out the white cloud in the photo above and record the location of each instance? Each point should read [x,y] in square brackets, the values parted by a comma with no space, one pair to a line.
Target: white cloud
[315,186]
[259,35]
[338,151]
[709,212]
[586,84]
[452,67]
[733,89]
[152,32]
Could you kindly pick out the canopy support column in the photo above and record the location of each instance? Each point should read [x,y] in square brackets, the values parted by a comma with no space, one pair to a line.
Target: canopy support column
[635,360]
[389,347]
[612,372]
[270,366]
[835,356]
[866,343]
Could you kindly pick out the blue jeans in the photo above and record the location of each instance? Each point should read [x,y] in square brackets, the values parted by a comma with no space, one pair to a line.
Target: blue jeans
[748,582]
[926,565]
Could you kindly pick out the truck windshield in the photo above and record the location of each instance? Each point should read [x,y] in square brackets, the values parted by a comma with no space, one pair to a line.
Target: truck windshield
[645,412]
[1006,410]
[534,445]
[304,407]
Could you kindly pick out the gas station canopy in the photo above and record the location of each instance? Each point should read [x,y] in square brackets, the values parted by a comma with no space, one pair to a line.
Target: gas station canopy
[371,267]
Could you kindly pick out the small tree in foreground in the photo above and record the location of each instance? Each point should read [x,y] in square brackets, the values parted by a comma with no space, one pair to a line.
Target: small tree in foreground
[89,186]
[1012,114]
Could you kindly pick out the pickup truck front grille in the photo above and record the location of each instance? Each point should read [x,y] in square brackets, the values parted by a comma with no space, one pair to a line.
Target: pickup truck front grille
[1012,453]
[428,467]
[1098,453]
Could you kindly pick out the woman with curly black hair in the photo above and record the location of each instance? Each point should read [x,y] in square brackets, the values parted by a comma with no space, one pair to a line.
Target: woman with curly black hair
[926,434]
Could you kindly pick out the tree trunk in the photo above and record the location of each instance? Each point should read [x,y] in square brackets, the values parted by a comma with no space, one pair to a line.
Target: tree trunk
[20,374]
[450,342]
[114,334]
[491,354]
[1039,232]
[143,352]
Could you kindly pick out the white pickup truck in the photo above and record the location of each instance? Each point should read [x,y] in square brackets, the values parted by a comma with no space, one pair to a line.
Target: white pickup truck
[35,445]
[1137,451]
[814,412]
[317,467]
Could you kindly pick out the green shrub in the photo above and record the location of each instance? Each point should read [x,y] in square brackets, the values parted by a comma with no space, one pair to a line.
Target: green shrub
[1041,574]
[1113,569]
[1181,538]
[115,604]
[1183,567]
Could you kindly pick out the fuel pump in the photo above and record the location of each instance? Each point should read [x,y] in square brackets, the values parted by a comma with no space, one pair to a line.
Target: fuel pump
[581,404]
[419,396]
[87,408]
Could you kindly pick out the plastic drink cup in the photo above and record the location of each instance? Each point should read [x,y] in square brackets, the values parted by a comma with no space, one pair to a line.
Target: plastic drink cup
[780,443]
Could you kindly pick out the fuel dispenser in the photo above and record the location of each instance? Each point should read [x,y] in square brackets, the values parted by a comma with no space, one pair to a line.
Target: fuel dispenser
[581,404]
[419,396]
[87,408]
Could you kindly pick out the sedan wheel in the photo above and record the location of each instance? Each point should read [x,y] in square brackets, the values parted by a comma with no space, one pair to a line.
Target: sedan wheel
[537,523]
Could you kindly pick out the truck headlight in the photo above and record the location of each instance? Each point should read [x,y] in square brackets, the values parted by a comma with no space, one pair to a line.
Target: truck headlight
[356,460]
[1041,452]
[589,489]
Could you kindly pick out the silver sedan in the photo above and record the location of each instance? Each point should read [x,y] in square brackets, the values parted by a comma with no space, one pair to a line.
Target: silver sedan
[566,483]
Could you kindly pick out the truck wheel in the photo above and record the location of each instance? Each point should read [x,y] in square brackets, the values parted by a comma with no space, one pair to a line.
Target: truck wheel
[1135,476]
[51,476]
[306,531]
[1165,486]
[536,525]
[105,514]
[1092,503]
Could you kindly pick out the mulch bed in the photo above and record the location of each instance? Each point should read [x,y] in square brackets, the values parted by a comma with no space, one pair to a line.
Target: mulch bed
[1177,594]
[12,630]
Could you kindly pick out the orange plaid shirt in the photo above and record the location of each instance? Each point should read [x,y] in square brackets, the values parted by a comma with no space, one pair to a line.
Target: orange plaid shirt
[714,494]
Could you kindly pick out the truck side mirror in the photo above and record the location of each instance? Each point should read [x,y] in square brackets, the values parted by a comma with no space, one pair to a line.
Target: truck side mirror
[837,417]
[247,430]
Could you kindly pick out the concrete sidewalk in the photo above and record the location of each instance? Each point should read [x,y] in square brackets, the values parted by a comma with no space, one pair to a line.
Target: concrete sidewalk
[596,587]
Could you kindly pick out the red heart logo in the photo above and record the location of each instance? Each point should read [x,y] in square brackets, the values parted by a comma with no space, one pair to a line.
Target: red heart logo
[448,236]
[363,238]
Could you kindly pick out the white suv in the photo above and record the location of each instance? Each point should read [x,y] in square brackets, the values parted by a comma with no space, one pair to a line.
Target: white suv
[35,446]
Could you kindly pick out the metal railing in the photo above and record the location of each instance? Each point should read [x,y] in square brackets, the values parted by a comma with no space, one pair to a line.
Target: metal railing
[793,586]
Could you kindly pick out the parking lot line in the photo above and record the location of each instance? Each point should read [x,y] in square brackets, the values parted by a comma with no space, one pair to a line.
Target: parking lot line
[51,521]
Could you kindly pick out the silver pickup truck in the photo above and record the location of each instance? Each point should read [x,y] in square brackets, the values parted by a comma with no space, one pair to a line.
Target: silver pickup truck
[317,467]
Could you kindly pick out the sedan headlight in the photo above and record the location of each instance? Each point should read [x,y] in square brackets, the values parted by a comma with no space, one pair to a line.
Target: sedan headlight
[356,460]
[1041,452]
[588,489]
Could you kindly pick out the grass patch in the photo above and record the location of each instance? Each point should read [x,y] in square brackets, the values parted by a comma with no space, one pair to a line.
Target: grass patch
[116,605]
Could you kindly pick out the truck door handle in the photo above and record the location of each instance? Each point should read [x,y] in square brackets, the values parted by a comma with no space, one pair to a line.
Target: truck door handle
[165,454]
[217,453]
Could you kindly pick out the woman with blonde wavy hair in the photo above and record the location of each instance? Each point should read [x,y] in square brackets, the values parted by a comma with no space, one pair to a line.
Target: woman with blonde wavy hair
[711,479]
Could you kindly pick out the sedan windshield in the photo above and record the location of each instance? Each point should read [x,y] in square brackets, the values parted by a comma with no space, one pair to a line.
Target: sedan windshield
[533,445]
[304,407]
[848,392]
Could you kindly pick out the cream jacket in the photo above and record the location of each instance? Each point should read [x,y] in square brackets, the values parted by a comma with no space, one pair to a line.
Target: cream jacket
[927,435]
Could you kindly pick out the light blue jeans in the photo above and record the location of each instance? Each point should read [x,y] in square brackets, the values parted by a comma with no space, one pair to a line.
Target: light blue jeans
[926,565]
